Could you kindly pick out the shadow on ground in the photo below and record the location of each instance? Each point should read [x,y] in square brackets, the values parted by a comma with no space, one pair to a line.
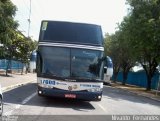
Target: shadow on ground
[120,95]
[19,94]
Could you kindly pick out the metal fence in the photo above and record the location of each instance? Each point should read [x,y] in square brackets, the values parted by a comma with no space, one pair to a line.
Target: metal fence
[13,64]
[139,79]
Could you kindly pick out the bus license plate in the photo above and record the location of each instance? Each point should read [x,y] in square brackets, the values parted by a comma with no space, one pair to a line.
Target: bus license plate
[70,96]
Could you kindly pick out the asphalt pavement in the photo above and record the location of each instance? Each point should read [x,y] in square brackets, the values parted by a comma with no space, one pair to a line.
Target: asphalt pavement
[24,103]
[152,94]
[15,80]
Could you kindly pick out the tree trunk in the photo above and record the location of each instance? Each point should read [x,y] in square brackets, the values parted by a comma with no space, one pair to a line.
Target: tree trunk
[27,68]
[149,79]
[7,68]
[8,65]
[22,70]
[125,75]
[115,75]
[150,71]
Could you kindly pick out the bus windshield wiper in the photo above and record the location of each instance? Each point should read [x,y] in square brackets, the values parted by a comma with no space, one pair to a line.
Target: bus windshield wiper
[49,74]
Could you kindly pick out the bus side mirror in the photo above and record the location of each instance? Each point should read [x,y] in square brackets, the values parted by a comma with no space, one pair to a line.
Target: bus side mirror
[105,66]
[105,70]
[108,65]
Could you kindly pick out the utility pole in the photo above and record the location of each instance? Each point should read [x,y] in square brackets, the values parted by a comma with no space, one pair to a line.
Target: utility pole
[29,19]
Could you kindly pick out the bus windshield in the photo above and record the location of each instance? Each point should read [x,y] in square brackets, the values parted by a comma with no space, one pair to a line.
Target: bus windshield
[66,32]
[70,62]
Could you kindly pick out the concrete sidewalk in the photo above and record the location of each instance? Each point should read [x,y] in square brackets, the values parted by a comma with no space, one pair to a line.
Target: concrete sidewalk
[14,80]
[138,91]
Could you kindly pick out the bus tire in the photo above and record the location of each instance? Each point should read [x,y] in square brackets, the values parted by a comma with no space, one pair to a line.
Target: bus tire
[1,106]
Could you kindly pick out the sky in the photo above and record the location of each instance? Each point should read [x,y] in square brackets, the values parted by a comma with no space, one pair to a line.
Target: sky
[106,13]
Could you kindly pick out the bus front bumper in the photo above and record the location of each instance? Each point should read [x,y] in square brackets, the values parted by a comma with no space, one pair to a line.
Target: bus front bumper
[82,95]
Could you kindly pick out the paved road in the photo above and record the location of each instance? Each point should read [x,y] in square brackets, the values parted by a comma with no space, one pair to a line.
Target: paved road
[25,101]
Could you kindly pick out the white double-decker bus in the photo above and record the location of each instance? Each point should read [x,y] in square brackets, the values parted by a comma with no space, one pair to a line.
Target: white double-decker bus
[70,60]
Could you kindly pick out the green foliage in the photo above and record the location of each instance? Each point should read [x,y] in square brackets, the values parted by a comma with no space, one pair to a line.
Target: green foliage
[112,49]
[15,45]
[23,48]
[138,38]
[145,22]
[117,46]
[7,26]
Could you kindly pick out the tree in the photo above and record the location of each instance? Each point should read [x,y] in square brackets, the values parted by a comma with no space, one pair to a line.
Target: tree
[24,48]
[14,46]
[126,50]
[7,23]
[7,27]
[144,31]
[111,46]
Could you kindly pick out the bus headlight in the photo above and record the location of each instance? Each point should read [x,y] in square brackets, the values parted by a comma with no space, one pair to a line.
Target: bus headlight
[99,97]
[40,92]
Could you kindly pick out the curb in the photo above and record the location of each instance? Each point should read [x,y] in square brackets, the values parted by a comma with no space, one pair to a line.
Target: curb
[139,94]
[142,95]
[4,89]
